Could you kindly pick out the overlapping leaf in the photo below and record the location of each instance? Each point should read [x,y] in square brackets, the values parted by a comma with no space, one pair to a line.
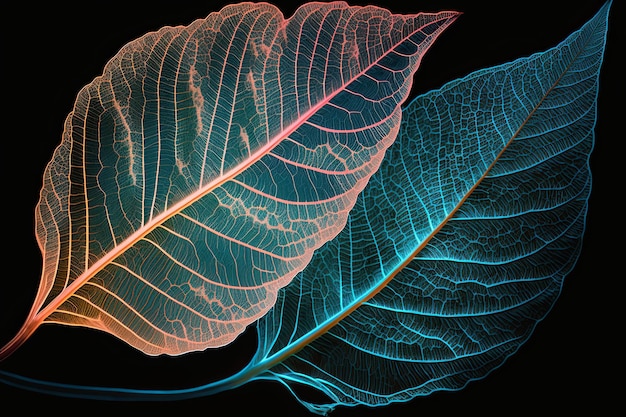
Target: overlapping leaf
[198,174]
[454,252]
[460,243]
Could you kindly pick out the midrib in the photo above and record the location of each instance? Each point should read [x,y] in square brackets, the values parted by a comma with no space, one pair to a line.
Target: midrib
[319,331]
[103,262]
[156,221]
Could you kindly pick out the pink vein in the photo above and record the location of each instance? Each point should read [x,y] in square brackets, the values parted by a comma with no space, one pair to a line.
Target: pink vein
[234,101]
[159,140]
[312,168]
[84,167]
[313,52]
[238,242]
[282,200]
[102,311]
[202,277]
[360,129]
[155,288]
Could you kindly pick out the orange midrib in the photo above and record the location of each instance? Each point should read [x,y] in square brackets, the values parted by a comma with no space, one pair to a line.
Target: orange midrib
[162,217]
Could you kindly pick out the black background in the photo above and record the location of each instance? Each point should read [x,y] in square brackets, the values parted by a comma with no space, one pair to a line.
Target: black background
[49,52]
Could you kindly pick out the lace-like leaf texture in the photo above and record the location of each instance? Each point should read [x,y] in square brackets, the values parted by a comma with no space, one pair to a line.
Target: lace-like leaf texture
[460,243]
[452,254]
[200,171]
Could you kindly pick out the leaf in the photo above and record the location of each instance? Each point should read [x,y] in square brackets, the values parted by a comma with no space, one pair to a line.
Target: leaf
[258,400]
[199,172]
[460,243]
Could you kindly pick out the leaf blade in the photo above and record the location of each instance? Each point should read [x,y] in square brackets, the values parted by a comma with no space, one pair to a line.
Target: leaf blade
[177,168]
[393,346]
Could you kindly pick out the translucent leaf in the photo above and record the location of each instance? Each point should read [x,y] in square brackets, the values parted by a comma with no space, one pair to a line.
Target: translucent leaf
[352,327]
[460,243]
[200,171]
